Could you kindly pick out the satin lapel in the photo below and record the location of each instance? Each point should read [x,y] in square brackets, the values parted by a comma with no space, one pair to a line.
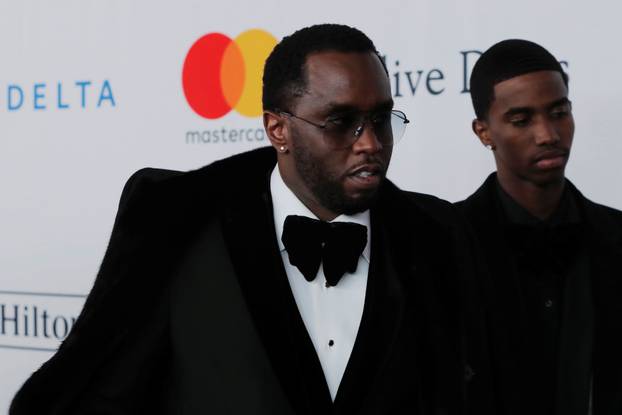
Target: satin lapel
[380,324]
[605,242]
[248,227]
[501,288]
[406,314]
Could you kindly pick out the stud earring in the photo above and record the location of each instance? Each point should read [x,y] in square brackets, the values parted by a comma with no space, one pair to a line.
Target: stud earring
[282,149]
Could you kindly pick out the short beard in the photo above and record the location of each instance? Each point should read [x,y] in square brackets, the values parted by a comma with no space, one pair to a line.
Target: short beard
[327,188]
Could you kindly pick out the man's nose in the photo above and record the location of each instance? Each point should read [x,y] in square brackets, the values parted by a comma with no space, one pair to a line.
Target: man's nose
[367,139]
[546,133]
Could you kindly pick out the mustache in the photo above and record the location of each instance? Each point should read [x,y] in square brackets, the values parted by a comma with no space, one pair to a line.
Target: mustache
[374,164]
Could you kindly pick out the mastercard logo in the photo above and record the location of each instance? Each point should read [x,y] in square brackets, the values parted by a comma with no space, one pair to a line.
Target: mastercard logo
[221,74]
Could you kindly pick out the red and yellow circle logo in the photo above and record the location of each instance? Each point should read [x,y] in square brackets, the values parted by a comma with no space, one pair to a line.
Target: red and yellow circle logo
[221,74]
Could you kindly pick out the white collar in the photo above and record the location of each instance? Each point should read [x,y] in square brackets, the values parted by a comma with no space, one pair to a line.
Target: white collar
[285,203]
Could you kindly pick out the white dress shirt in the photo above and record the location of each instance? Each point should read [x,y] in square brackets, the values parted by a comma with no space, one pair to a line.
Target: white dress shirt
[332,315]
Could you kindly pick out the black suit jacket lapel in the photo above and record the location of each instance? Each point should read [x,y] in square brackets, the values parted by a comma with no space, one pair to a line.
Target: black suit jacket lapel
[402,359]
[251,240]
[380,324]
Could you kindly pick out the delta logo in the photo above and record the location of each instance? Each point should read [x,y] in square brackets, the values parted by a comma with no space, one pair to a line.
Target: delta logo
[221,74]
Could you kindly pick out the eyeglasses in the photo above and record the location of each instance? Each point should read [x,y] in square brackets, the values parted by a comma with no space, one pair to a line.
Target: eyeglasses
[342,131]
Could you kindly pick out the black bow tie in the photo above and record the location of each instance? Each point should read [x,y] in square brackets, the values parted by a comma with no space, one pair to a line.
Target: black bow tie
[310,242]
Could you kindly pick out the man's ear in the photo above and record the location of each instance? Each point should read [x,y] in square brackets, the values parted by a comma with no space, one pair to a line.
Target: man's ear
[481,130]
[277,132]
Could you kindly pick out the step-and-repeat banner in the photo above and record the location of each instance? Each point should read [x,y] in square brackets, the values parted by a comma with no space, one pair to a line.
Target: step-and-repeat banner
[91,91]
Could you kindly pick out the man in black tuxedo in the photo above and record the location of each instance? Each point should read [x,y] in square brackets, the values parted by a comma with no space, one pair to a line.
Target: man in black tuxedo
[555,257]
[293,279]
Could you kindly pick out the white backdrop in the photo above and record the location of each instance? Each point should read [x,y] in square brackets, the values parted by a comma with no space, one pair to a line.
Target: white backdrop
[91,91]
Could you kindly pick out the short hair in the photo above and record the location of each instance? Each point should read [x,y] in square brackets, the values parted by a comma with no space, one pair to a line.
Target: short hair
[284,76]
[505,60]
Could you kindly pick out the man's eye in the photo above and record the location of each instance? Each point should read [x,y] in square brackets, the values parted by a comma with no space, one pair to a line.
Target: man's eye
[340,122]
[560,112]
[381,117]
[519,122]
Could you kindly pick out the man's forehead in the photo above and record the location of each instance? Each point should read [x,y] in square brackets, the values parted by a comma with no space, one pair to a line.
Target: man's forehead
[344,78]
[533,88]
[329,63]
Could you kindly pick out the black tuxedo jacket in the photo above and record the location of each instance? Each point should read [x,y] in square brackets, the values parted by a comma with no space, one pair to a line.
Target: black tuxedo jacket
[191,311]
[507,318]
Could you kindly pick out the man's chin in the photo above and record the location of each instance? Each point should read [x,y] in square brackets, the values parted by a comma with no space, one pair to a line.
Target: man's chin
[548,178]
[344,198]
[359,202]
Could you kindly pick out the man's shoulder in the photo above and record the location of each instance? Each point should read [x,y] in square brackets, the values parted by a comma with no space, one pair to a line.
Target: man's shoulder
[612,212]
[158,196]
[481,197]
[234,167]
[433,205]
[594,209]
[243,169]
[605,218]
[423,206]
